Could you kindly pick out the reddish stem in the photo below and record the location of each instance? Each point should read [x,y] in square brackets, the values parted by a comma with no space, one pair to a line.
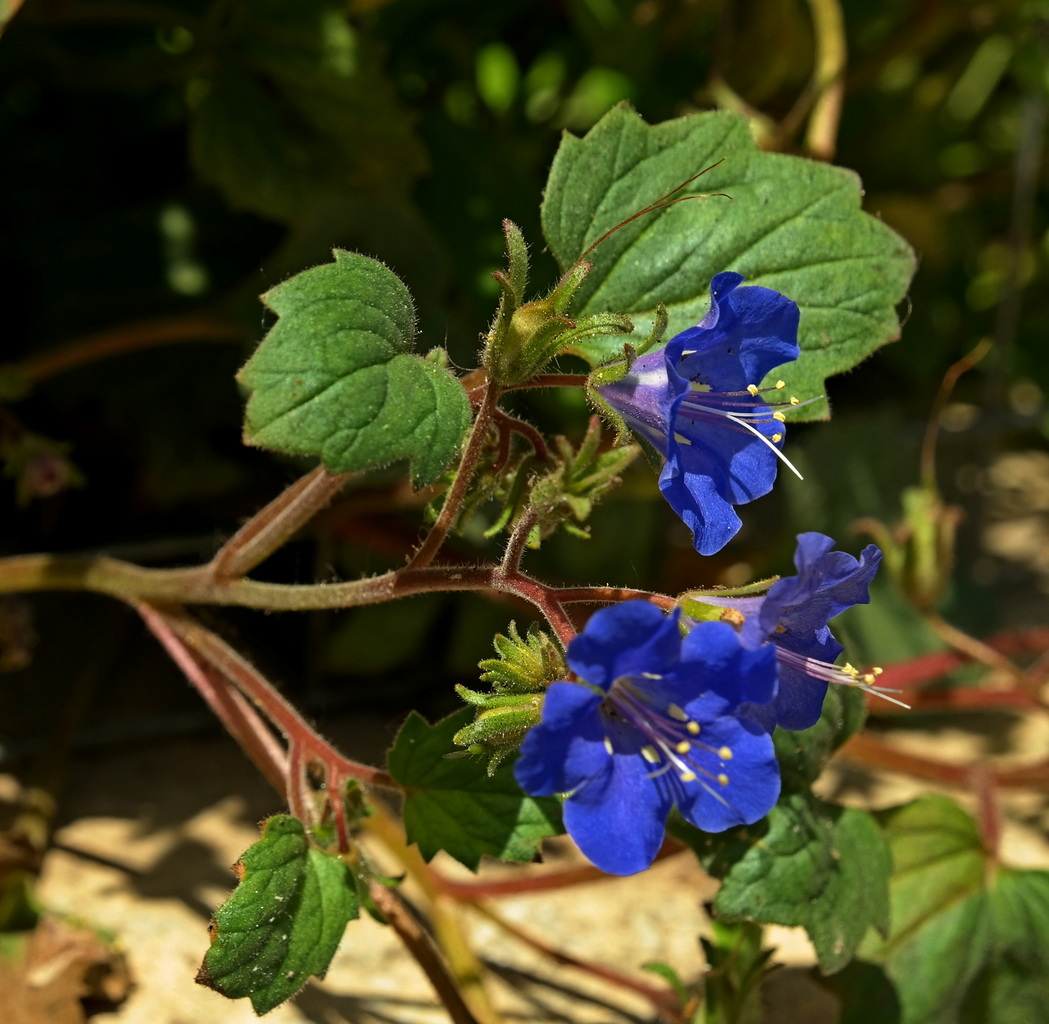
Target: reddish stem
[236,714]
[552,380]
[421,947]
[874,753]
[453,502]
[526,430]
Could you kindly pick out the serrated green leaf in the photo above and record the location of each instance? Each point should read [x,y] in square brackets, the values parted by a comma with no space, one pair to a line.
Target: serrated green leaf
[452,804]
[791,224]
[822,867]
[336,378]
[284,920]
[970,939]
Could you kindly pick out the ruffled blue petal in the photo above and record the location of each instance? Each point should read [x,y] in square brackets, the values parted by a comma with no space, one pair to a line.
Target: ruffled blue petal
[745,334]
[753,778]
[618,821]
[623,640]
[567,747]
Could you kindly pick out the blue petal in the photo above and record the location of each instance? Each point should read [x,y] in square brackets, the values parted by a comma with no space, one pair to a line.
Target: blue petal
[827,583]
[567,747]
[746,334]
[714,660]
[619,820]
[753,773]
[695,498]
[623,640]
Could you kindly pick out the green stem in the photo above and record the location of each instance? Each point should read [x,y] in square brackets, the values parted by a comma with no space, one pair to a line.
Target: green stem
[271,526]
[821,136]
[453,502]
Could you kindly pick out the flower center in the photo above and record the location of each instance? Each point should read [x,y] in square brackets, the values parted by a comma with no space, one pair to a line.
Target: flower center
[743,413]
[672,737]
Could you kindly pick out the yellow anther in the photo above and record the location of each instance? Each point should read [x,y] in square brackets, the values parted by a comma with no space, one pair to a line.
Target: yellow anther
[794,401]
[780,385]
[688,776]
[677,712]
[753,389]
[877,671]
[650,754]
[608,745]
[683,747]
[723,779]
[693,727]
[776,438]
[779,416]
[725,753]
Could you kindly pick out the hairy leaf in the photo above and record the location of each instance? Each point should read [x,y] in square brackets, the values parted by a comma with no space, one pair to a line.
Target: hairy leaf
[284,920]
[791,224]
[452,804]
[335,377]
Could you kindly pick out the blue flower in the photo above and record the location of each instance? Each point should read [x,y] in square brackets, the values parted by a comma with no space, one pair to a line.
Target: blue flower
[653,723]
[792,618]
[698,402]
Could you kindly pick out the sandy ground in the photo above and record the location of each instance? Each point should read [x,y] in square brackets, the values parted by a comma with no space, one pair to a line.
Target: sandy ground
[148,834]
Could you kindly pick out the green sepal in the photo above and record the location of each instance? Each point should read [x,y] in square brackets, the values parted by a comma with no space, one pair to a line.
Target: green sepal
[579,479]
[497,731]
[525,664]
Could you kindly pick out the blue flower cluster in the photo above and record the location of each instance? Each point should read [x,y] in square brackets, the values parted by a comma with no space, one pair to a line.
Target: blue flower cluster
[662,718]
[666,712]
[698,402]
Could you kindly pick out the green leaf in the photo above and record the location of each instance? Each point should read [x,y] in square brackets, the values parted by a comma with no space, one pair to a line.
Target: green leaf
[822,867]
[970,939]
[335,377]
[791,224]
[284,920]
[452,804]
[803,754]
[296,109]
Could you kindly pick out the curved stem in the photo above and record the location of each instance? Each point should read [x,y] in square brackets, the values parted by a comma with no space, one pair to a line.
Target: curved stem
[240,718]
[129,338]
[421,947]
[271,526]
[452,503]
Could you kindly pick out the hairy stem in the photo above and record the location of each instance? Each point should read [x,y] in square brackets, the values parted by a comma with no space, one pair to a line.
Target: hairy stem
[271,526]
[454,500]
[241,720]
